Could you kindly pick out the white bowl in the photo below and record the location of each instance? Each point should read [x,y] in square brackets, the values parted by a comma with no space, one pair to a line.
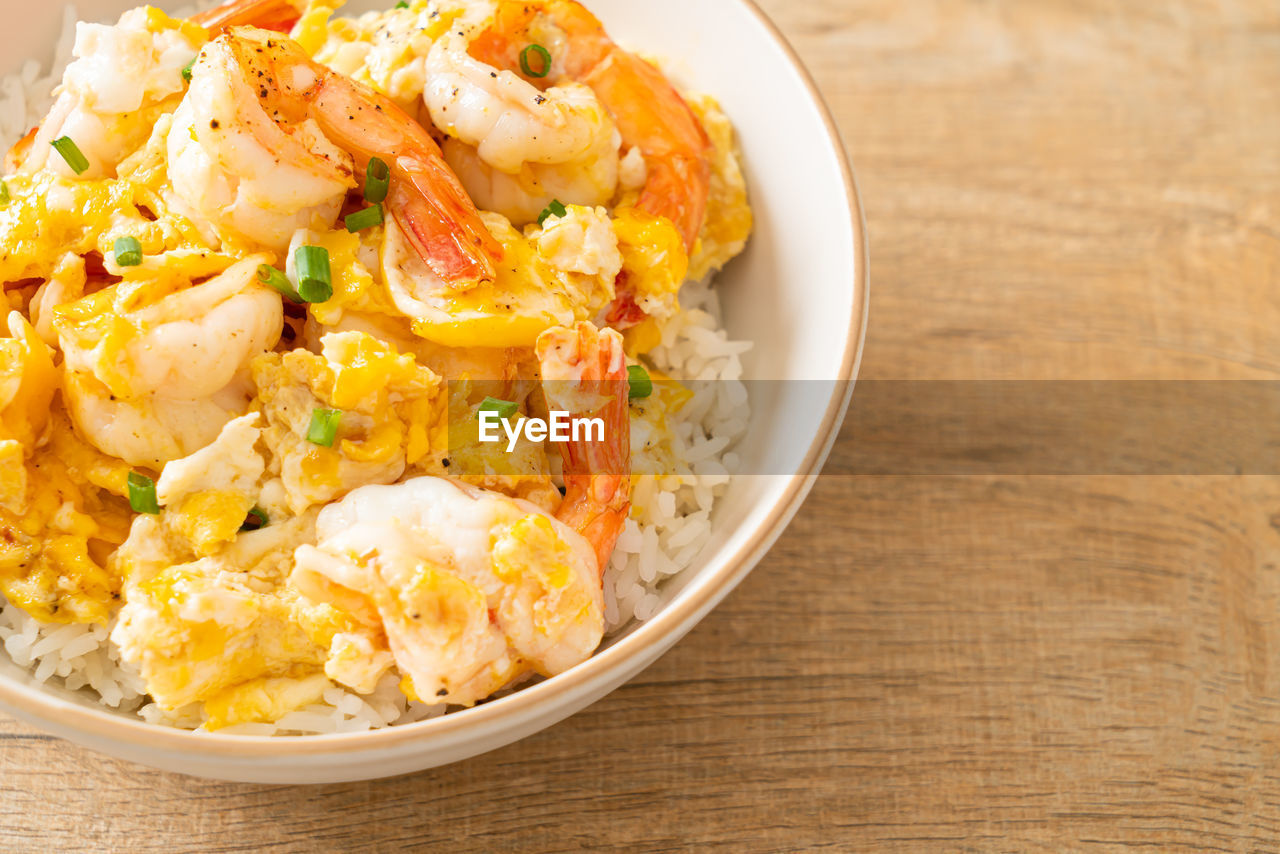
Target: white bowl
[800,292]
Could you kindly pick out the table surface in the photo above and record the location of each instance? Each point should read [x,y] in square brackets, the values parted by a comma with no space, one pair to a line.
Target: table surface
[1054,189]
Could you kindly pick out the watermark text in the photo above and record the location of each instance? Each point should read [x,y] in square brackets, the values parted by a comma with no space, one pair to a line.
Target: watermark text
[560,427]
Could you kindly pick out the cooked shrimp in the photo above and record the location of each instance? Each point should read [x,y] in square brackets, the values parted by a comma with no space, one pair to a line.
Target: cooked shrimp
[106,103]
[514,147]
[584,372]
[471,587]
[150,430]
[279,139]
[187,345]
[112,92]
[234,163]
[279,15]
[327,504]
[650,114]
[509,120]
[153,382]
[523,196]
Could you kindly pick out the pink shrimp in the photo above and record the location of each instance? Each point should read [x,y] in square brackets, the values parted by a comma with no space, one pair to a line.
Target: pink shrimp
[269,14]
[649,112]
[584,372]
[280,88]
[278,15]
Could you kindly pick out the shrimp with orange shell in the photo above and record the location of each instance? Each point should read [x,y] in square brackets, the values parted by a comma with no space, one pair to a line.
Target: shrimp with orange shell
[273,141]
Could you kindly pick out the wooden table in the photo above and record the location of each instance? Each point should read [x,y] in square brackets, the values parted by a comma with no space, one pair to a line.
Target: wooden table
[1055,189]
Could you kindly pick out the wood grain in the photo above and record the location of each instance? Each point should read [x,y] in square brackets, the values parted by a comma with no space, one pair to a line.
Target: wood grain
[1055,189]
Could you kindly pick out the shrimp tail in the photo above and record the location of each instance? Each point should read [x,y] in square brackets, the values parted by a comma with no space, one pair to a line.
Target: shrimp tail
[679,168]
[426,198]
[278,15]
[584,373]
[21,149]
[441,222]
[649,112]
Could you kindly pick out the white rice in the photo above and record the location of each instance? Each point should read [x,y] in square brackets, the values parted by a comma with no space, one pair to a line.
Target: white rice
[669,525]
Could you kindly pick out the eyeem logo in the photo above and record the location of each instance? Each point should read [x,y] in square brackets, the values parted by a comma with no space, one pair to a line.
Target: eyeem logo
[561,427]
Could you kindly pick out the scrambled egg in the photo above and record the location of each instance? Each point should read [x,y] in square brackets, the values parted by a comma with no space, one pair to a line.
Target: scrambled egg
[729,218]
[48,212]
[53,550]
[209,494]
[394,414]
[195,631]
[357,285]
[207,617]
[654,266]
[58,518]
[383,50]
[50,218]
[651,438]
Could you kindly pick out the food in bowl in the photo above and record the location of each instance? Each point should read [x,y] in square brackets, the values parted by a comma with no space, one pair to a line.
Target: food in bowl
[275,276]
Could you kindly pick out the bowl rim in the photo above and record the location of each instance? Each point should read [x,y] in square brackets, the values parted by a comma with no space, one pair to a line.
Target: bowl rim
[34,703]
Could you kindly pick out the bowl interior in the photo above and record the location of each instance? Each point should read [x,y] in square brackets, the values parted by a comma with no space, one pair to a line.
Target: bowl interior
[797,291]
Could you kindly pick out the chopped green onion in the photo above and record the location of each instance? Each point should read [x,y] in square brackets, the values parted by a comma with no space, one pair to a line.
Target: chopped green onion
[142,494]
[72,154]
[4,193]
[315,282]
[377,178]
[128,251]
[639,383]
[186,72]
[278,281]
[324,427]
[256,519]
[504,408]
[553,209]
[543,54]
[402,5]
[367,218]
